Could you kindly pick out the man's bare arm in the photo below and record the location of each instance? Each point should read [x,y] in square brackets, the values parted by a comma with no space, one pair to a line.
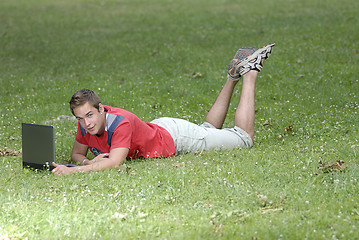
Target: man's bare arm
[79,152]
[115,159]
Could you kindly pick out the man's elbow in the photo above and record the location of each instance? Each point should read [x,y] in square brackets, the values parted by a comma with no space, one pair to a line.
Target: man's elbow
[116,163]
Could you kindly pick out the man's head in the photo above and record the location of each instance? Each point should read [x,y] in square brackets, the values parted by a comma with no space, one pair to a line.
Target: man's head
[86,106]
[84,96]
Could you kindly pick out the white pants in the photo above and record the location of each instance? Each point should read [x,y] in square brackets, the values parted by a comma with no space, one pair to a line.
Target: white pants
[190,137]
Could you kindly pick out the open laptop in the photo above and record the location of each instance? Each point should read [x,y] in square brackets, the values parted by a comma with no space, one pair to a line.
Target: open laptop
[38,147]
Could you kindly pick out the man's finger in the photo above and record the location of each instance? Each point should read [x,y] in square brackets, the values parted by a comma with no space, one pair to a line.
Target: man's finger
[55,165]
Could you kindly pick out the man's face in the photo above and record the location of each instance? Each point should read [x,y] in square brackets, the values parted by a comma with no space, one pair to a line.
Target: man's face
[91,119]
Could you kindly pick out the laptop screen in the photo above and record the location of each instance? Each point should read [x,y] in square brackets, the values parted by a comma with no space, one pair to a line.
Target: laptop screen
[38,146]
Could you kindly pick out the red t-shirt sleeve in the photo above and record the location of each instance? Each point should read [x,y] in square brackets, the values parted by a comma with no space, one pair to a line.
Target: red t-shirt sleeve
[122,136]
[79,138]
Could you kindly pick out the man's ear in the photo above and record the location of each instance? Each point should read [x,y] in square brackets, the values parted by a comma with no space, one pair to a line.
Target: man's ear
[101,108]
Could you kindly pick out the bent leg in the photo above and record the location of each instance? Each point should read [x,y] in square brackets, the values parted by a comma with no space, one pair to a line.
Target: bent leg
[244,117]
[218,112]
[247,63]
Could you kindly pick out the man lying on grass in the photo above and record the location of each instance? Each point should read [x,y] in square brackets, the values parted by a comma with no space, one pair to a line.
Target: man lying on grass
[114,134]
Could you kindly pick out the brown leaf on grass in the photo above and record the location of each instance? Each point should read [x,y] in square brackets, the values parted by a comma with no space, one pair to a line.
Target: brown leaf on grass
[266,123]
[128,170]
[289,128]
[9,152]
[176,165]
[337,166]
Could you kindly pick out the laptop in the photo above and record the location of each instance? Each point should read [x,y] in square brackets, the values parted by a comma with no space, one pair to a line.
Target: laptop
[38,147]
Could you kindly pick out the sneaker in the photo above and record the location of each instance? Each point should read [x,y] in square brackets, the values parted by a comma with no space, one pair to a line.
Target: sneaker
[234,66]
[246,59]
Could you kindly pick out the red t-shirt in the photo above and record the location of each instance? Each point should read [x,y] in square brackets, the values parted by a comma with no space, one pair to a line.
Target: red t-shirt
[143,139]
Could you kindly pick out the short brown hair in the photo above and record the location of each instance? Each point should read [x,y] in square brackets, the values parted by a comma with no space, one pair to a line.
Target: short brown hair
[83,96]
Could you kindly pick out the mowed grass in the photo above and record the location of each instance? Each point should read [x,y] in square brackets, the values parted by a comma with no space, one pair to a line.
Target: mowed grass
[168,58]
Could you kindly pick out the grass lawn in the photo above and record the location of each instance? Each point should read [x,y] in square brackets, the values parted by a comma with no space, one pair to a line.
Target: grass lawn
[169,58]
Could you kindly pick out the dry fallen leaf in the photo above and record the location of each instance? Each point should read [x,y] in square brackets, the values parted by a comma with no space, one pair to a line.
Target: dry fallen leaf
[332,166]
[266,123]
[126,168]
[9,152]
[289,128]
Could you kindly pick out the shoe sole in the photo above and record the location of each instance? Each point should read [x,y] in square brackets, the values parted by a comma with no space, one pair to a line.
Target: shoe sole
[263,50]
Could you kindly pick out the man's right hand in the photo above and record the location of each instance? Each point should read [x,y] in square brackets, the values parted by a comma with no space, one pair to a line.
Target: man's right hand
[98,158]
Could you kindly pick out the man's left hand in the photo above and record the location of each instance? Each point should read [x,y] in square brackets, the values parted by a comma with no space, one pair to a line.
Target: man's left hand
[61,169]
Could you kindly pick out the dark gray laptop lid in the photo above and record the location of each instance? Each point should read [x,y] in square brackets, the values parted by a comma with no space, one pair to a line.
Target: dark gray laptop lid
[38,145]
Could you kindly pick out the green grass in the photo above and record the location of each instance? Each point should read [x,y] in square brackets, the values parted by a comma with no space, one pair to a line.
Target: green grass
[143,56]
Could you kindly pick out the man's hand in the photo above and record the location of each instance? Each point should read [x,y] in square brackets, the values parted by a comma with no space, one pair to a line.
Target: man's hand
[114,159]
[98,158]
[61,169]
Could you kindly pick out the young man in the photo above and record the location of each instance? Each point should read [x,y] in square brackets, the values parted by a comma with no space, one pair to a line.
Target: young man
[114,134]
